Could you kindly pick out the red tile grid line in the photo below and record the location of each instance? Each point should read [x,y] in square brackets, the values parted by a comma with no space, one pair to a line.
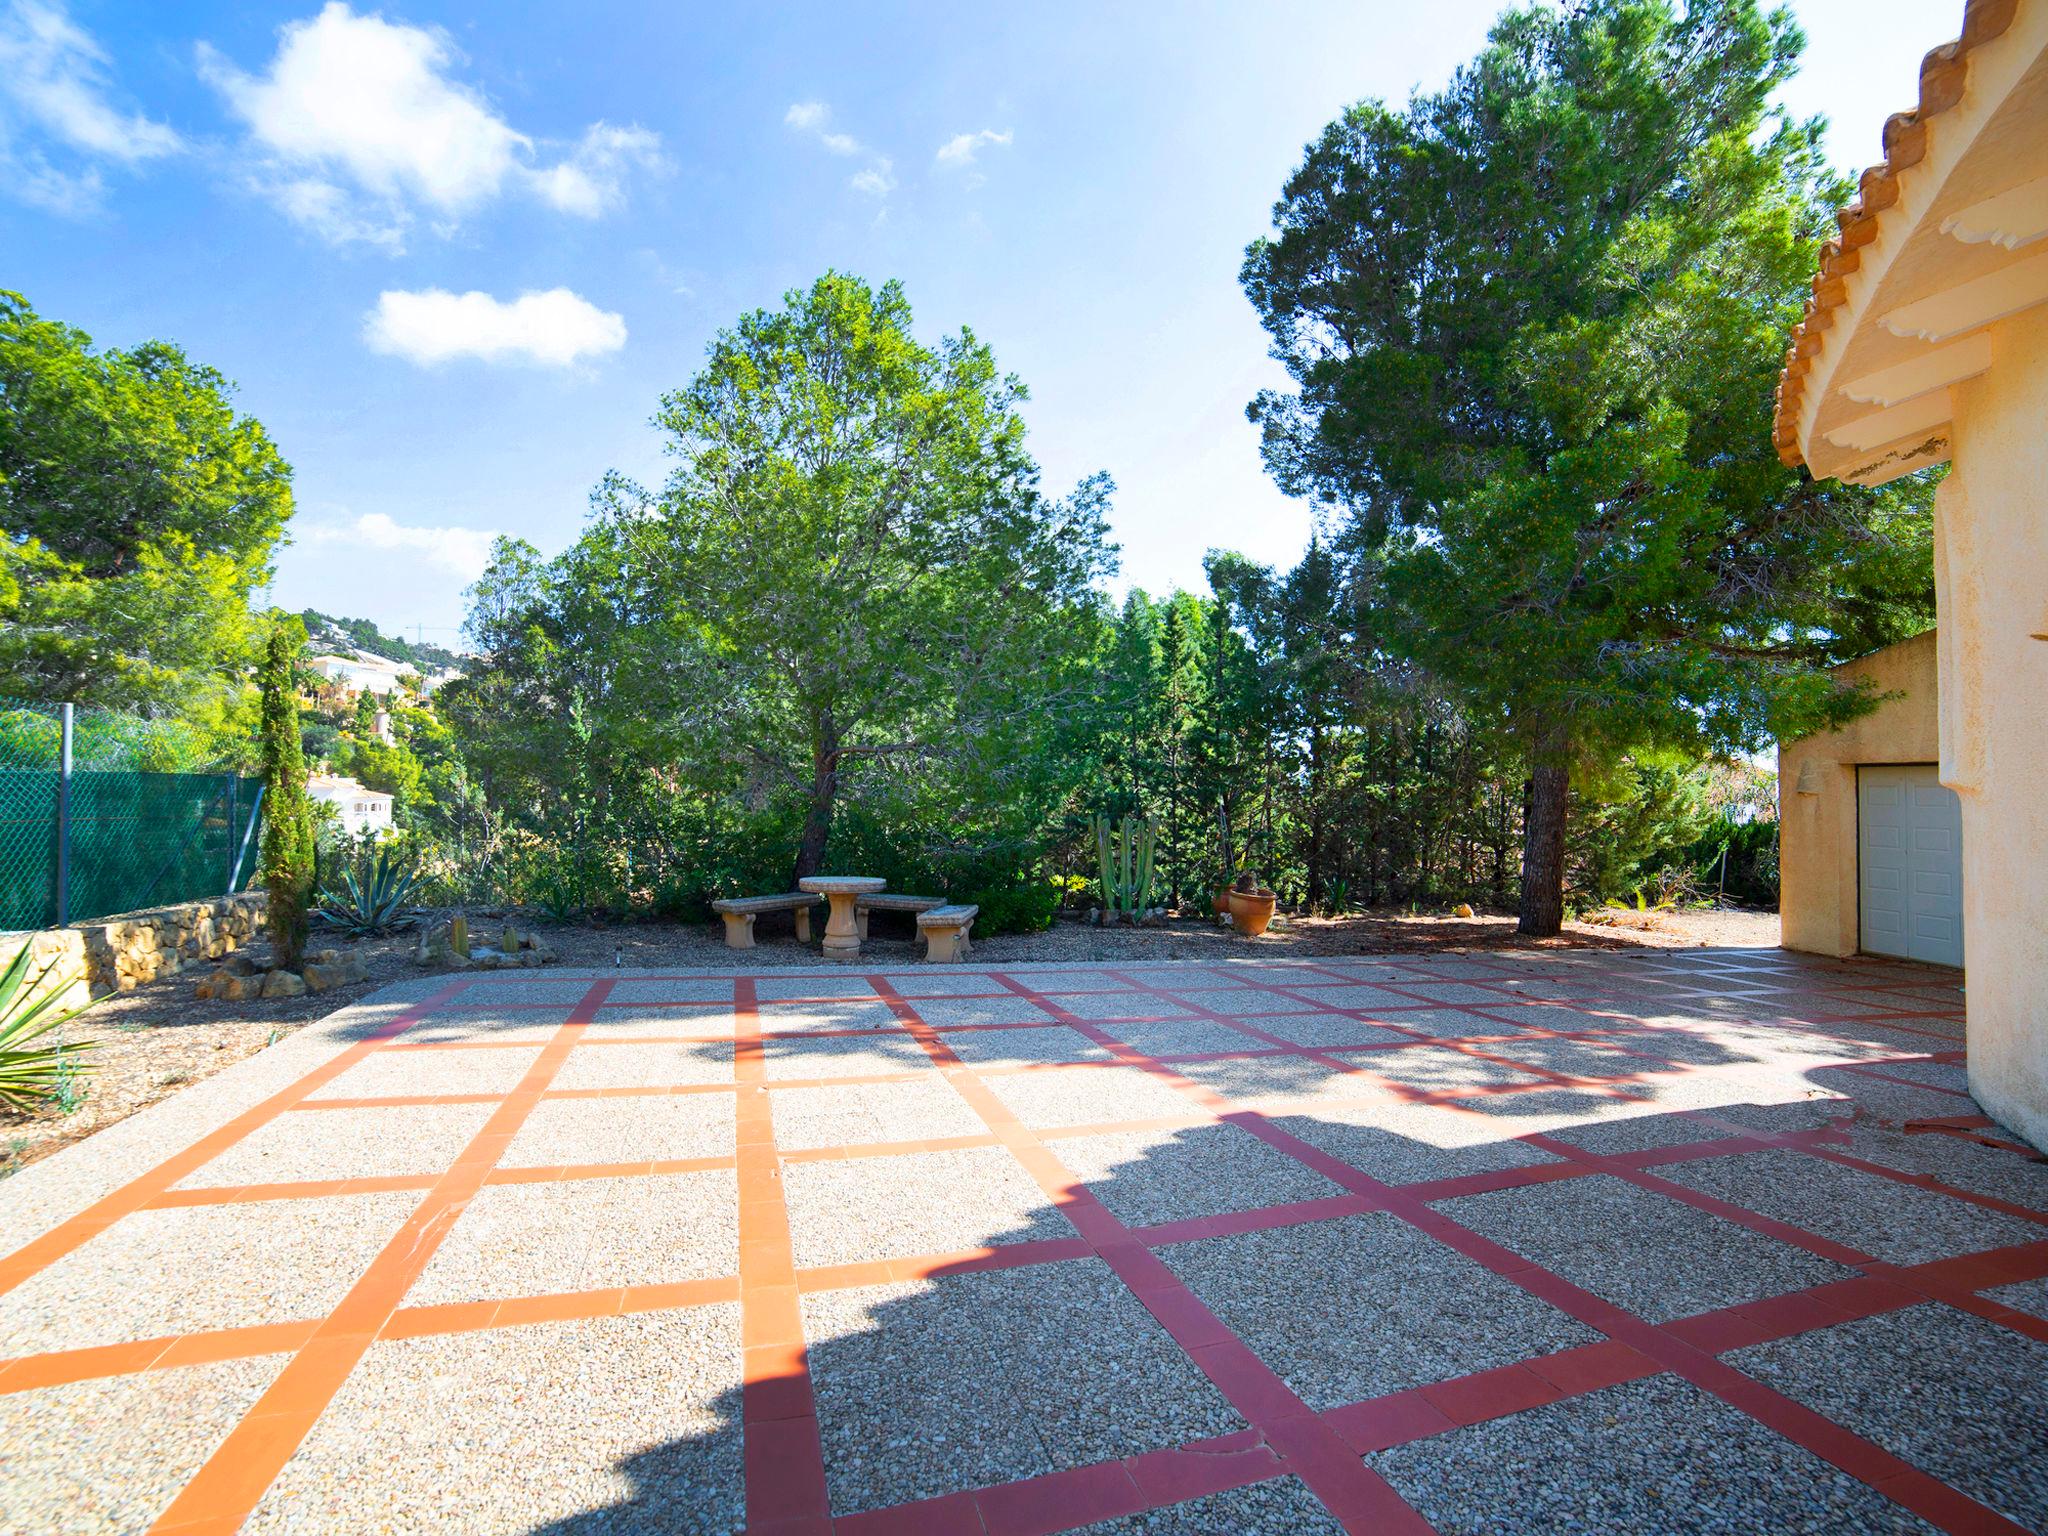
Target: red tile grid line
[785,1478]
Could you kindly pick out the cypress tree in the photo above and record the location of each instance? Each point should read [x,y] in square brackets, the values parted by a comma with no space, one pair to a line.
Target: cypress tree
[287,813]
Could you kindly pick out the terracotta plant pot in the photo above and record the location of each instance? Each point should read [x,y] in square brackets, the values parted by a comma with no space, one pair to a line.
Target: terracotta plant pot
[1251,912]
[1220,900]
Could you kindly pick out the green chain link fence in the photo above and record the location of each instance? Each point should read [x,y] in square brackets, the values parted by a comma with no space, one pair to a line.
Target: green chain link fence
[89,825]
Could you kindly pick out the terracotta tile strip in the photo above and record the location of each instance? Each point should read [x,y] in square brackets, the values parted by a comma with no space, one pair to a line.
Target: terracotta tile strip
[224,1490]
[67,1236]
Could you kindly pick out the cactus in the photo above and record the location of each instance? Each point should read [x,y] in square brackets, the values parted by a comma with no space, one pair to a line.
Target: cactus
[458,935]
[509,940]
[1125,854]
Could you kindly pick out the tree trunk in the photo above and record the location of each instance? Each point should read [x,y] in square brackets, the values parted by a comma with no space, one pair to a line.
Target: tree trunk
[1543,816]
[810,847]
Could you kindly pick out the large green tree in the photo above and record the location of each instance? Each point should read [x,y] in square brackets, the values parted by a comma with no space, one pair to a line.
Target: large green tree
[137,510]
[1534,322]
[855,557]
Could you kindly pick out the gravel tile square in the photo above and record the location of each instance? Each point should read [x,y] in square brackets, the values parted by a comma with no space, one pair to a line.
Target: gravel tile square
[1280,1506]
[1178,1037]
[491,993]
[1962,1164]
[1147,1177]
[1090,1096]
[1067,983]
[863,1114]
[1365,999]
[916,985]
[1244,1002]
[682,989]
[187,1269]
[1023,1047]
[1276,1084]
[1018,1373]
[388,1074]
[1959,1397]
[345,1144]
[1899,1223]
[1450,992]
[773,989]
[644,1066]
[653,1128]
[1400,1143]
[1323,1031]
[2028,1296]
[1894,1102]
[661,1023]
[800,1018]
[585,1235]
[1642,1132]
[1952,1075]
[1574,1058]
[945,1012]
[922,1202]
[531,1026]
[110,1455]
[609,1424]
[801,1056]
[1122,1005]
[1437,1069]
[1656,1455]
[1655,1256]
[1365,1305]
[1449,1024]
[1547,1111]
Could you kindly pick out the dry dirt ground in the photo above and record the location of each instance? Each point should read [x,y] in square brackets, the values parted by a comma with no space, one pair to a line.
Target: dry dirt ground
[151,1042]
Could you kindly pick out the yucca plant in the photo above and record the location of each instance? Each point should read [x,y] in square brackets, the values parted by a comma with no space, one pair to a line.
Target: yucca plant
[32,1074]
[374,896]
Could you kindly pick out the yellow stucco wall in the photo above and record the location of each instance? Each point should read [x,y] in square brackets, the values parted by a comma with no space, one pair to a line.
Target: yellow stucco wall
[1817,831]
[1991,581]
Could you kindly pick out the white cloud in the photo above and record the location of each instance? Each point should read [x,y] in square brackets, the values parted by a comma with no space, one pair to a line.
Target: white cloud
[807,116]
[54,87]
[556,328]
[356,123]
[963,147]
[877,180]
[840,143]
[462,552]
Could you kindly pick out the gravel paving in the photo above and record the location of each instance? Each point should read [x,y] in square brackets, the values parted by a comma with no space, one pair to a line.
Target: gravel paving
[1280,1506]
[1954,1395]
[799,1018]
[775,989]
[918,1203]
[1277,1084]
[1122,1005]
[946,1012]
[642,1129]
[1436,1069]
[1019,1372]
[614,1424]
[678,989]
[1656,1455]
[345,1144]
[1024,1047]
[1898,1223]
[390,1074]
[1241,1002]
[1147,1177]
[266,1261]
[2027,1296]
[1089,1096]
[787,1057]
[643,1066]
[1362,1306]
[1323,1030]
[1656,1256]
[73,1464]
[1400,1143]
[1174,1038]
[585,1235]
[863,1114]
[1958,1162]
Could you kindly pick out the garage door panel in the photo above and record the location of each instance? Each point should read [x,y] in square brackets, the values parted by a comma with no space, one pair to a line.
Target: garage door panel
[1909,864]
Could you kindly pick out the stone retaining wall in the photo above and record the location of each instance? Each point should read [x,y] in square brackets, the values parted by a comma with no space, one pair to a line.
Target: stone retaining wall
[116,954]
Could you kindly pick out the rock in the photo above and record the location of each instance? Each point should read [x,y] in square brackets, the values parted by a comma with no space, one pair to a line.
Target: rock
[325,956]
[282,984]
[1462,909]
[338,973]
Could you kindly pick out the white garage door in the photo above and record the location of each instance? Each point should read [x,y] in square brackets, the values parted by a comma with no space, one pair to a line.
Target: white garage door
[1909,849]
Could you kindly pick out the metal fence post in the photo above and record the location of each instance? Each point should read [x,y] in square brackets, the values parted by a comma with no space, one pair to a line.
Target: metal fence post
[234,805]
[64,818]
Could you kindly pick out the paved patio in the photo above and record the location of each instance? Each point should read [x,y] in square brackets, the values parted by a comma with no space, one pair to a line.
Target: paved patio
[1659,1242]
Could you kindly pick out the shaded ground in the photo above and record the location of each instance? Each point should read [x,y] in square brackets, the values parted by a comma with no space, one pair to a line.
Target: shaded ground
[159,1038]
[1690,1241]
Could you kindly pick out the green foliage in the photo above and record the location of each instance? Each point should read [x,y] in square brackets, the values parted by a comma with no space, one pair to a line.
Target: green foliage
[1738,859]
[289,846]
[1631,823]
[32,1072]
[366,891]
[1124,852]
[1534,323]
[138,511]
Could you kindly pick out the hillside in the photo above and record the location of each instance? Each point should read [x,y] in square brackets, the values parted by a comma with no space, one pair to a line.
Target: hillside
[326,632]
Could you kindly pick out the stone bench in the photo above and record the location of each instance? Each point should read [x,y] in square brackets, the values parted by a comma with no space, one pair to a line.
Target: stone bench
[739,913]
[945,931]
[890,901]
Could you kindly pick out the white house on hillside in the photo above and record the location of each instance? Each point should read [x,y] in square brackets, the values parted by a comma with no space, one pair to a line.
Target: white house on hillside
[365,671]
[357,807]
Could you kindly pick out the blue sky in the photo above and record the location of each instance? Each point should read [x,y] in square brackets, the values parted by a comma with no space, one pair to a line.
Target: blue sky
[453,254]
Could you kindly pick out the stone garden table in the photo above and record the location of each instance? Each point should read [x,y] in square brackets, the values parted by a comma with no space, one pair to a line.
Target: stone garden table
[842,929]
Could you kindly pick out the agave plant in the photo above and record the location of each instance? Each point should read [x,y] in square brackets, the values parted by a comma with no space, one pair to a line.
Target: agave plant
[31,1073]
[374,896]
